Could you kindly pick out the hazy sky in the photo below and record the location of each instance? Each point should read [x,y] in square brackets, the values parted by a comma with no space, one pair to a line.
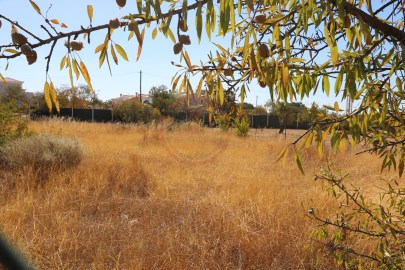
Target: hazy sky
[155,61]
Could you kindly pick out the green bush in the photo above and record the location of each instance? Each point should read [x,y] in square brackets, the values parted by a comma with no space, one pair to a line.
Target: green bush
[135,112]
[223,121]
[12,125]
[41,152]
[241,126]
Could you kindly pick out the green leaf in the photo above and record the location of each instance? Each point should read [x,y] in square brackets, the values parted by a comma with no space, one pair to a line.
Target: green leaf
[121,51]
[401,166]
[298,161]
[325,84]
[334,53]
[139,6]
[198,21]
[283,152]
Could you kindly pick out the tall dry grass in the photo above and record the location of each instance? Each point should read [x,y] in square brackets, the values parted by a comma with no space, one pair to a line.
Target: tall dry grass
[178,197]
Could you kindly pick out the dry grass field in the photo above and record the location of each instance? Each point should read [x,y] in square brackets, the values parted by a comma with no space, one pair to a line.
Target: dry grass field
[174,198]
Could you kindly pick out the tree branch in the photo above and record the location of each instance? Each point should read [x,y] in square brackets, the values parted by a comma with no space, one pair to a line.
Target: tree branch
[373,21]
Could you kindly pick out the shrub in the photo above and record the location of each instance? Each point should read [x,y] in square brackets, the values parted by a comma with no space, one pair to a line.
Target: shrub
[362,233]
[134,111]
[41,152]
[12,125]
[242,126]
[223,121]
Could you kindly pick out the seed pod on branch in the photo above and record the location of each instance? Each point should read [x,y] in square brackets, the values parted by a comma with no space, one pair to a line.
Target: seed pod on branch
[184,39]
[32,58]
[261,18]
[228,72]
[18,38]
[26,49]
[114,23]
[177,48]
[121,3]
[182,25]
[76,45]
[264,51]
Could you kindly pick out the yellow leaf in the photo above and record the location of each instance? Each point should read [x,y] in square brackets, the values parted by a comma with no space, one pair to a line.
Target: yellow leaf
[86,75]
[47,96]
[90,12]
[55,21]
[336,105]
[334,53]
[63,62]
[69,64]
[99,47]
[121,51]
[188,62]
[76,68]
[54,97]
[11,51]
[286,74]
[154,33]
[221,92]
[140,45]
[63,25]
[2,78]
[35,7]
[114,55]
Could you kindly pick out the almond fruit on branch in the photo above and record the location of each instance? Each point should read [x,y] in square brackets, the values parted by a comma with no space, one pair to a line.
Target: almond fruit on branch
[184,39]
[177,48]
[32,58]
[114,23]
[18,39]
[121,3]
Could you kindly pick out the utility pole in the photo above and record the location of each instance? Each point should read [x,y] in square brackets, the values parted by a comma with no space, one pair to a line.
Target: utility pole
[140,86]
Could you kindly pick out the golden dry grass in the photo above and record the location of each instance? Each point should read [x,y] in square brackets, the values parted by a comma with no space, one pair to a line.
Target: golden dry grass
[176,198]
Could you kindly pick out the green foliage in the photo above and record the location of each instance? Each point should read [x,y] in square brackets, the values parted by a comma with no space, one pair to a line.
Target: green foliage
[17,96]
[77,97]
[162,99]
[223,121]
[135,112]
[241,126]
[41,152]
[361,233]
[12,125]
[290,114]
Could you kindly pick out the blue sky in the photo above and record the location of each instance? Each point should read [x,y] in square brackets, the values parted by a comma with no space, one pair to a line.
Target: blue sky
[155,61]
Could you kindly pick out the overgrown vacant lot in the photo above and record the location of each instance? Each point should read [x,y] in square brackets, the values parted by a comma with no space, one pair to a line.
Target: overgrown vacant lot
[181,197]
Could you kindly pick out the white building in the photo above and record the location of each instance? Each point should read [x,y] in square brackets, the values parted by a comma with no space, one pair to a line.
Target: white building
[8,82]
